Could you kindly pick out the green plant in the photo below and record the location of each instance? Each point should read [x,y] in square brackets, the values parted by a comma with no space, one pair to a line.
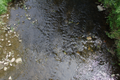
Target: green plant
[3,6]
[114,22]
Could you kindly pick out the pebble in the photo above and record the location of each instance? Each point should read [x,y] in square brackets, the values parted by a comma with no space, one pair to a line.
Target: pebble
[11,31]
[29,18]
[8,40]
[8,28]
[113,75]
[10,78]
[10,64]
[20,40]
[26,8]
[89,38]
[29,7]
[26,15]
[0,46]
[9,44]
[2,39]
[23,21]
[7,17]
[6,35]
[5,68]
[18,60]
[13,59]
[100,8]
[7,14]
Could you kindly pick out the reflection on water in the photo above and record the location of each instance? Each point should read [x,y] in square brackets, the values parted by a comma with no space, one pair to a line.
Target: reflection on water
[62,40]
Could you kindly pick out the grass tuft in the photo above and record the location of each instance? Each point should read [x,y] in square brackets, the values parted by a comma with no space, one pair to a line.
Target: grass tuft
[3,6]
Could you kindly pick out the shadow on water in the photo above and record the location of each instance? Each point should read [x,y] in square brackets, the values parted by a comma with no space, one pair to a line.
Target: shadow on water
[62,40]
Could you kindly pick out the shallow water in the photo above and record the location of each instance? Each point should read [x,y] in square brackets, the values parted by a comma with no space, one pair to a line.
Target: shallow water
[61,40]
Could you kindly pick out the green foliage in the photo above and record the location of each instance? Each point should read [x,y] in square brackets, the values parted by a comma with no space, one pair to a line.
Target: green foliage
[3,6]
[114,21]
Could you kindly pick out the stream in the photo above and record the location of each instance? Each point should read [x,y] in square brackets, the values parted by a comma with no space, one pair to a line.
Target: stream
[56,40]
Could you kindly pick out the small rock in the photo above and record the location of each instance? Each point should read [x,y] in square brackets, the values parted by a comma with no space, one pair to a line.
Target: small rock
[2,39]
[7,14]
[100,8]
[10,64]
[20,40]
[26,8]
[117,74]
[11,31]
[29,18]
[7,17]
[29,7]
[18,60]
[6,35]
[5,68]
[23,21]
[89,38]
[10,78]
[26,15]
[8,40]
[113,75]
[13,59]
[9,44]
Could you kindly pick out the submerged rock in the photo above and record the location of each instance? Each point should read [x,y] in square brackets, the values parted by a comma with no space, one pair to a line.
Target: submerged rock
[100,8]
[18,60]
[89,38]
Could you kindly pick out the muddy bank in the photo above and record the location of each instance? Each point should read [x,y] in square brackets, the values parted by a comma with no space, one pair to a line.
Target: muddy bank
[10,48]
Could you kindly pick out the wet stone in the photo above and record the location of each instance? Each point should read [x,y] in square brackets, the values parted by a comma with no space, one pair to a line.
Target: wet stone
[18,60]
[89,38]
[101,63]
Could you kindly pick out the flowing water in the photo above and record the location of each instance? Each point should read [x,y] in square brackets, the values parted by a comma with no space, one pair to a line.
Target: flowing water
[60,40]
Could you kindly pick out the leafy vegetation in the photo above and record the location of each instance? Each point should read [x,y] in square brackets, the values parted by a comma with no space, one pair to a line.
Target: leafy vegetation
[114,22]
[3,6]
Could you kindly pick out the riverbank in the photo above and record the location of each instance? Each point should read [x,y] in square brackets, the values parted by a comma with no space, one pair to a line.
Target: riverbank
[113,19]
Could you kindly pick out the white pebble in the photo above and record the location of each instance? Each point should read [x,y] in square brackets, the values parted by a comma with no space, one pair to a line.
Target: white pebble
[100,8]
[10,78]
[9,44]
[6,63]
[26,8]
[11,31]
[10,64]
[29,18]
[6,35]
[14,32]
[2,39]
[20,40]
[7,17]
[8,40]
[5,68]
[7,14]
[8,27]
[18,60]
[13,59]
[0,46]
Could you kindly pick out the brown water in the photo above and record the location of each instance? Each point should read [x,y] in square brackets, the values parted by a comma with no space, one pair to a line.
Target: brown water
[61,40]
